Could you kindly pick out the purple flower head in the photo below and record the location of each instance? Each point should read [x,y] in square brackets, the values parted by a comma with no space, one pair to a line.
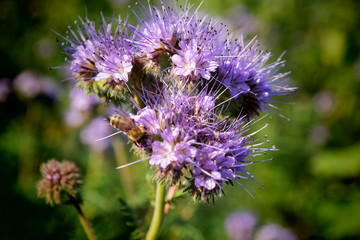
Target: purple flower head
[194,88]
[171,155]
[274,232]
[240,225]
[192,142]
[114,67]
[251,81]
[176,109]
[206,175]
[172,121]
[191,112]
[173,150]
[193,61]
[190,40]
[83,61]
[198,50]
[218,161]
[159,32]
[102,55]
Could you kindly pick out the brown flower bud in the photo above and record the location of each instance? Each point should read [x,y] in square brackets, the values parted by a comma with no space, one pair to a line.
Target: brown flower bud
[60,180]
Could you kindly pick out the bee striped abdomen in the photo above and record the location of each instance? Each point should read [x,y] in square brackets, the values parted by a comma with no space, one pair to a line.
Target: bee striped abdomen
[126,125]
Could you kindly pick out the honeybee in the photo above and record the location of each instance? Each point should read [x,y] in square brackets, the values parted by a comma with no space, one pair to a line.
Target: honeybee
[135,133]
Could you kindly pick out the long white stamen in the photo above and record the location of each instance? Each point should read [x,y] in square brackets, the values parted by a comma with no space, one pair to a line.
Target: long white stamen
[113,134]
[137,161]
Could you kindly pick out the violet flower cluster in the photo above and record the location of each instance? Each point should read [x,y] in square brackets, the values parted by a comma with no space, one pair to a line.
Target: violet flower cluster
[194,89]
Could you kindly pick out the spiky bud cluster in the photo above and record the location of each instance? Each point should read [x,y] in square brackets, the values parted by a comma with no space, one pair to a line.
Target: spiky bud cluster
[59,181]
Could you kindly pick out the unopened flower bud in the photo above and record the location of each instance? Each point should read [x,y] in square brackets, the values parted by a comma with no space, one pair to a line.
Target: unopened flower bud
[60,180]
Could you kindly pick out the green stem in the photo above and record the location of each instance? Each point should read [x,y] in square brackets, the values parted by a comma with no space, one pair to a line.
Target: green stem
[158,213]
[83,220]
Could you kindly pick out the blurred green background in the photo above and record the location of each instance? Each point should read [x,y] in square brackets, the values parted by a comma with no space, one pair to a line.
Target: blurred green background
[311,187]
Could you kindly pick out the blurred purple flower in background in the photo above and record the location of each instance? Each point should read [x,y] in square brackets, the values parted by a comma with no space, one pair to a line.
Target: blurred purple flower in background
[31,85]
[274,232]
[73,118]
[240,225]
[242,19]
[80,106]
[79,101]
[324,102]
[97,129]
